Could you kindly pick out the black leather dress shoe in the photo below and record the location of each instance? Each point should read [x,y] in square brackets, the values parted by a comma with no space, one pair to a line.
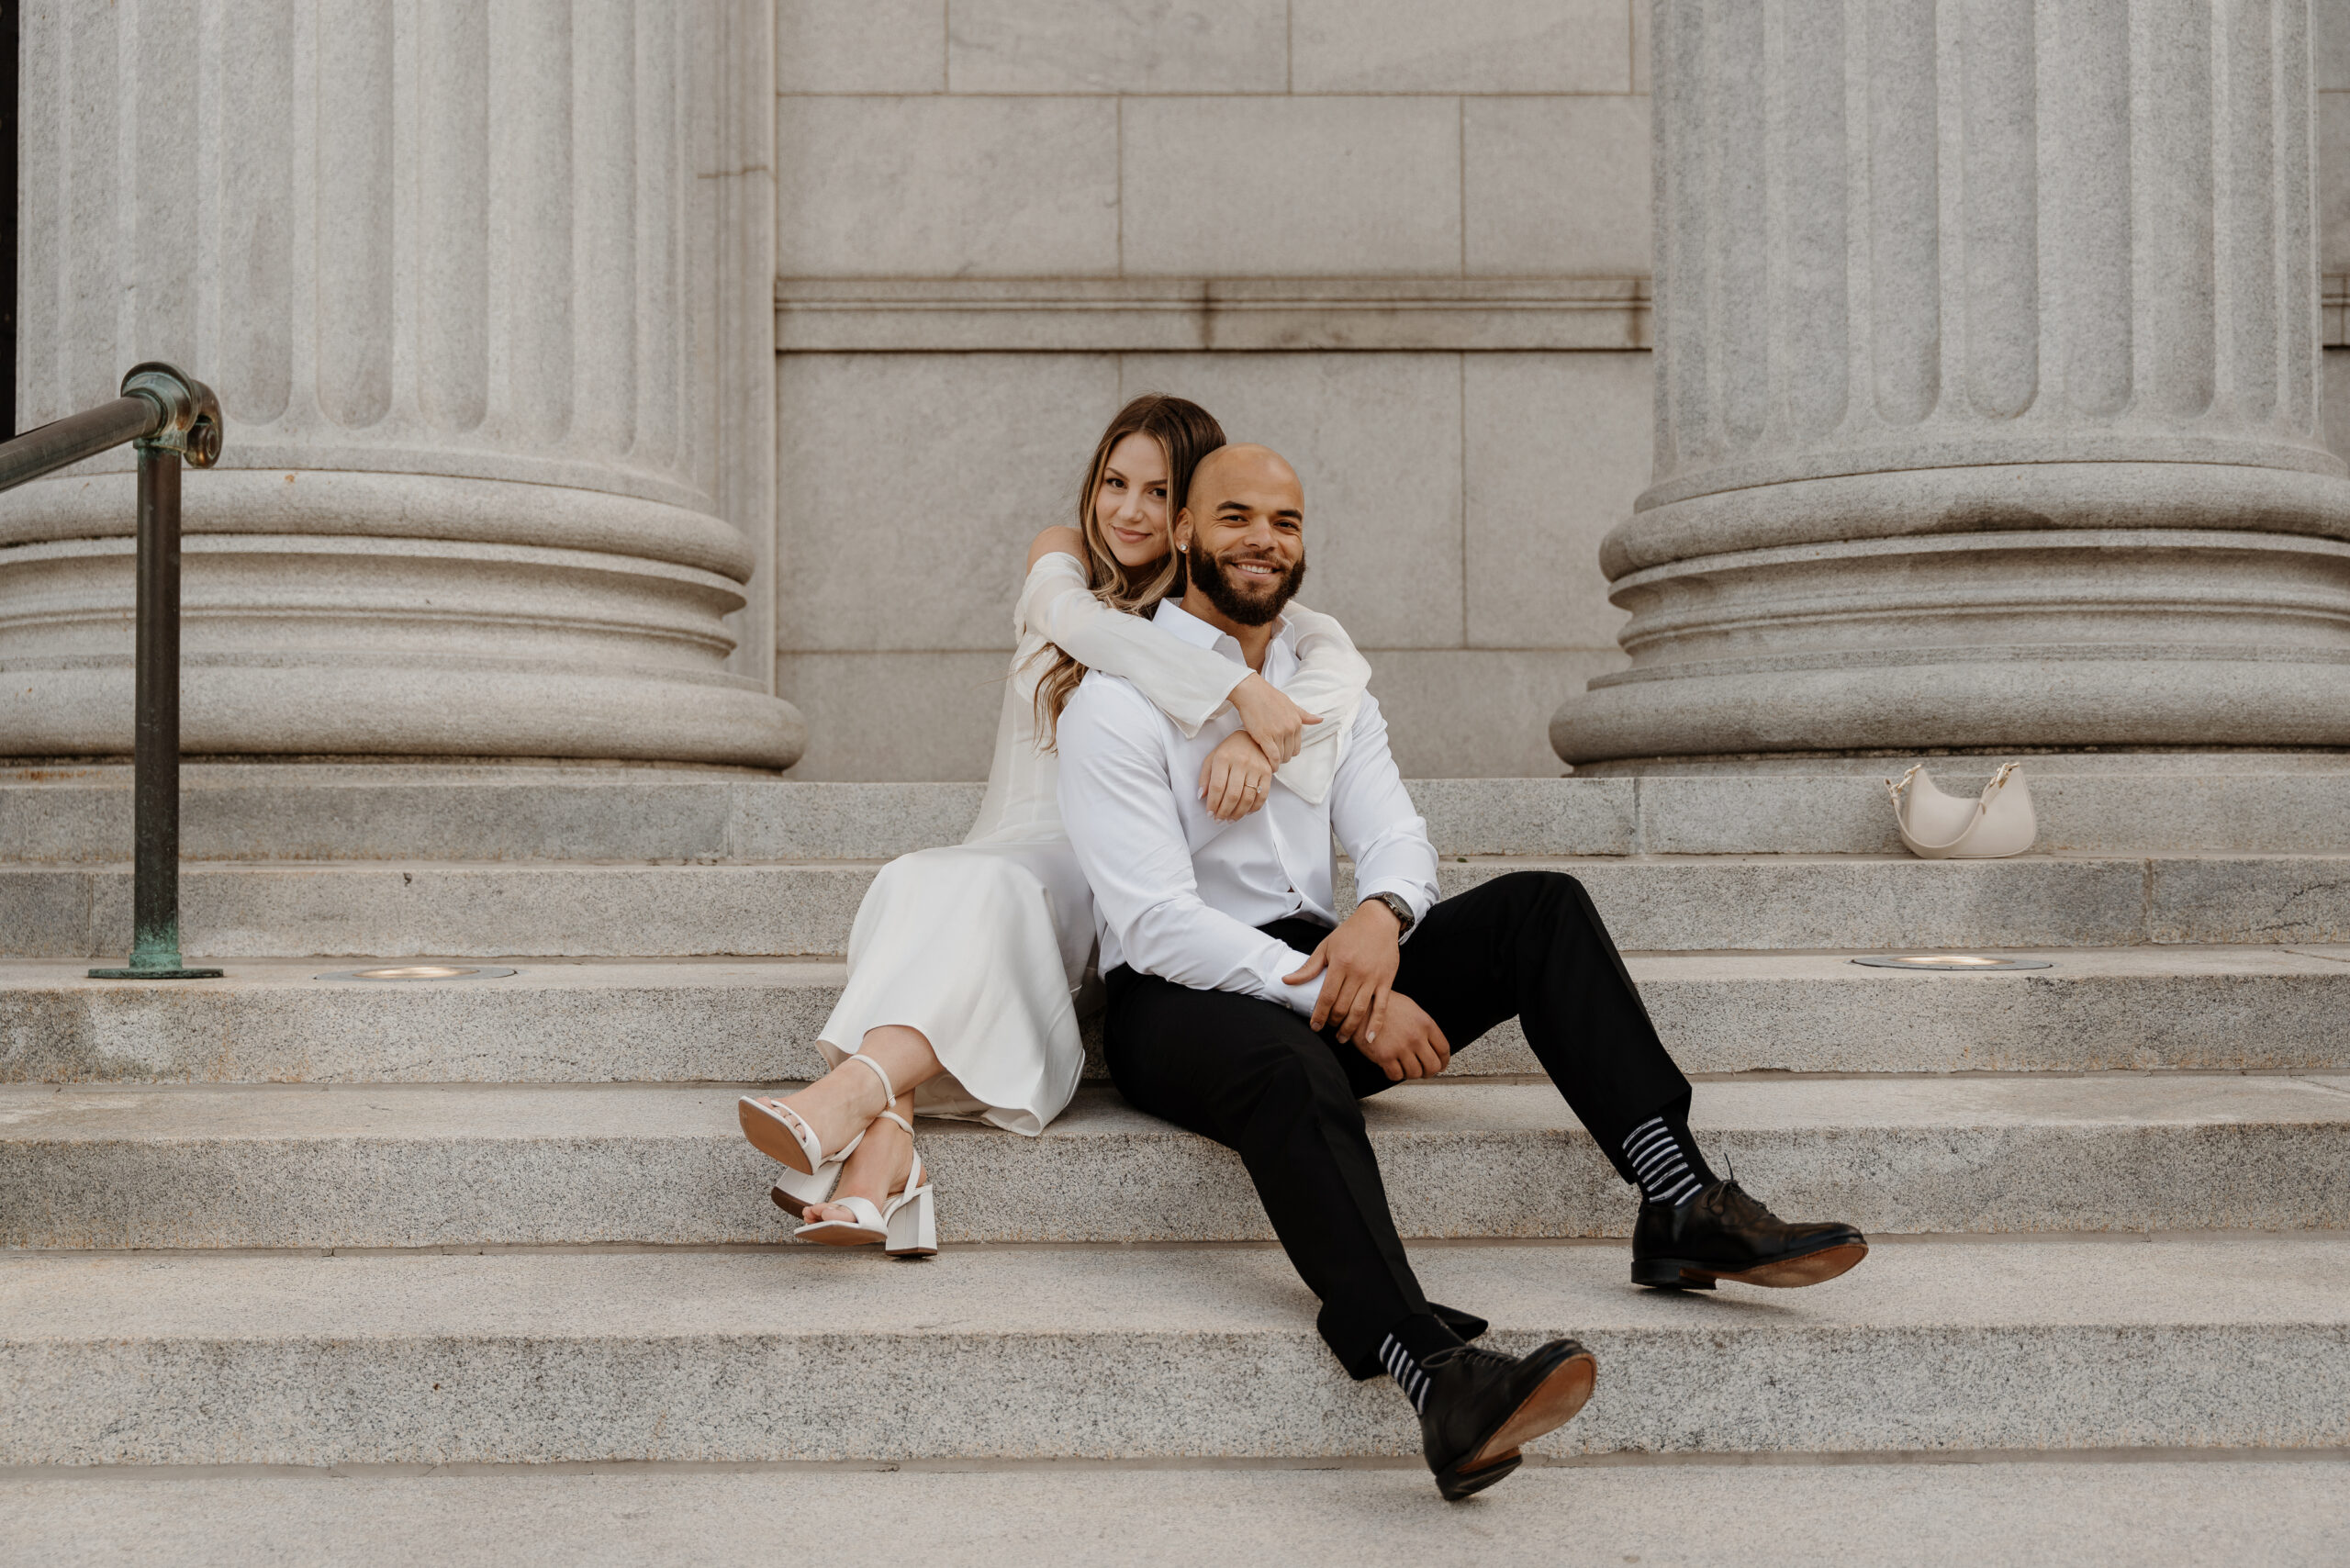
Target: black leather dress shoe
[1723,1233]
[1483,1405]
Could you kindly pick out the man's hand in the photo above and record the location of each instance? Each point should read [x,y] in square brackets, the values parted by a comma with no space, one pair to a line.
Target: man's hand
[1408,1045]
[1276,723]
[1235,779]
[1361,958]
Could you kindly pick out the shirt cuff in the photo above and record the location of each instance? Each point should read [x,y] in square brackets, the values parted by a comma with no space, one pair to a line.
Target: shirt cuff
[1413,895]
[1304,998]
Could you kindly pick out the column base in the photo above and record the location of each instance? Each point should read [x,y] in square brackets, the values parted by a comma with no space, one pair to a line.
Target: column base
[417,706]
[2060,639]
[322,646]
[1978,763]
[2053,698]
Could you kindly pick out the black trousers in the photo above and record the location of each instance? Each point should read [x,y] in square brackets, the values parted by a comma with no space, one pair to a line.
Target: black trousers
[1253,1076]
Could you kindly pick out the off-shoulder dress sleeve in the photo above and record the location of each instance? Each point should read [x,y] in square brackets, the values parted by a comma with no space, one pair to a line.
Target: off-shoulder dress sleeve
[1329,683]
[1186,683]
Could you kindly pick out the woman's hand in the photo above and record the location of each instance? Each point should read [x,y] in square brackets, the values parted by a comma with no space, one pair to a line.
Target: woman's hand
[1235,779]
[1272,721]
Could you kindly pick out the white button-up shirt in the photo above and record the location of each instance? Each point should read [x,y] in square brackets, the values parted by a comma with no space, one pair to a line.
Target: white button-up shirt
[1178,894]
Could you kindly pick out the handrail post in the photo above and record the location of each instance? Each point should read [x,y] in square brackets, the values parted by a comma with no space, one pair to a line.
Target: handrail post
[191,426]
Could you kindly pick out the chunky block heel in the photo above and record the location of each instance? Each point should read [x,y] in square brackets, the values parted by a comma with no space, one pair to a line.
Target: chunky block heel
[903,1224]
[914,1227]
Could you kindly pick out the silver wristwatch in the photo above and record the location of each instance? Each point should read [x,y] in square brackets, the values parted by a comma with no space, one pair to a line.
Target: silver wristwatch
[1399,910]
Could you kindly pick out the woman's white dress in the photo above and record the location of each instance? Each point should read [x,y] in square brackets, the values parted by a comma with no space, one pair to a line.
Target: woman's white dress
[982,946]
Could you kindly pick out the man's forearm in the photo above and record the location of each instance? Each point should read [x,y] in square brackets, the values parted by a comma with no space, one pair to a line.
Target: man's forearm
[1184,941]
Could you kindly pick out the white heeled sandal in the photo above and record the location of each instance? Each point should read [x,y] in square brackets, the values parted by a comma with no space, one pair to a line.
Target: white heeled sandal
[784,1136]
[907,1226]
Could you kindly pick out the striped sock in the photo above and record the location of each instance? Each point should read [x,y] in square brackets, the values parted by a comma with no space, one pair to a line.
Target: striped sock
[1665,1162]
[1407,1346]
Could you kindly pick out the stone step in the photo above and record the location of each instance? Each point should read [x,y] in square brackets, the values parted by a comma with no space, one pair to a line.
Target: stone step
[1113,1352]
[2258,804]
[275,1020]
[387,1165]
[2250,1508]
[1661,903]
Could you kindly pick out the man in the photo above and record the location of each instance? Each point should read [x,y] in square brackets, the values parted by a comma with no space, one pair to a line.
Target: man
[1239,1007]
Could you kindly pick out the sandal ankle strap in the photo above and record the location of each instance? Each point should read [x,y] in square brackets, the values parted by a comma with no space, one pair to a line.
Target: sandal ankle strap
[888,1088]
[893,1116]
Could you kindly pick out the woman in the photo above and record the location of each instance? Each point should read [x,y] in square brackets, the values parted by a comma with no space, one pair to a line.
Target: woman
[964,960]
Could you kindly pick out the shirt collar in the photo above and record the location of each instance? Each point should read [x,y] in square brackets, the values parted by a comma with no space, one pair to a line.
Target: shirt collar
[1173,618]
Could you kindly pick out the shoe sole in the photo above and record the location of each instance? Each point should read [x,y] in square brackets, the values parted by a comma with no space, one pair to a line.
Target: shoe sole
[769,1137]
[1458,1484]
[836,1234]
[1784,1273]
[1555,1401]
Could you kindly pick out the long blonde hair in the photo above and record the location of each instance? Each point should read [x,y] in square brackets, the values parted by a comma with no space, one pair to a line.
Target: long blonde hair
[1185,432]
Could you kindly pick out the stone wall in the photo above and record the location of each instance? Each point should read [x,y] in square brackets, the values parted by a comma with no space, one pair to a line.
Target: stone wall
[1406,243]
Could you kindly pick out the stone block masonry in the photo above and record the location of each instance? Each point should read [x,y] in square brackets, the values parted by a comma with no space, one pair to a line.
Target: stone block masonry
[1410,254]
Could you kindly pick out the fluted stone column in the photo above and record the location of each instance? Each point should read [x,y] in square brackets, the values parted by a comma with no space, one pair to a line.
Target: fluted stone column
[1987,386]
[484,287]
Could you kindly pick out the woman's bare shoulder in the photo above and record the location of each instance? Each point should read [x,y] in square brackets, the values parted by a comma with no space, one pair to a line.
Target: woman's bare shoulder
[1060,540]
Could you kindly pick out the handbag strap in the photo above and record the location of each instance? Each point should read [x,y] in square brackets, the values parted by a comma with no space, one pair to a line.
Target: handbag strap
[1981,805]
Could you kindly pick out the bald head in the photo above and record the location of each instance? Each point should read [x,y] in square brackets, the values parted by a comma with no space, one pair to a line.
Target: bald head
[1245,466]
[1242,530]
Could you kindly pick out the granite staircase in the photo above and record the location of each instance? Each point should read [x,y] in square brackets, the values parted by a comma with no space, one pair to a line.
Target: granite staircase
[491,1249]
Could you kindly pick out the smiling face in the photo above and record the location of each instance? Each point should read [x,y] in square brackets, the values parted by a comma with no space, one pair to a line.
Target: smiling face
[1244,525]
[1130,501]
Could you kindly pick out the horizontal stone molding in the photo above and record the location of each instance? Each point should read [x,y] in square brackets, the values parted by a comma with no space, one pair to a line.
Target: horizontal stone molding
[277,454]
[2236,595]
[388,506]
[1143,315]
[1929,502]
[284,592]
[380,704]
[454,648]
[2106,694]
[2005,449]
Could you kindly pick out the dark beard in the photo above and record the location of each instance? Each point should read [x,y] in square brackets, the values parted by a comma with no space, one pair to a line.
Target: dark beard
[1208,574]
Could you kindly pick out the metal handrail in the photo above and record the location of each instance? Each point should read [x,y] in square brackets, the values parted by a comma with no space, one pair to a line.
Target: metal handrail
[168,416]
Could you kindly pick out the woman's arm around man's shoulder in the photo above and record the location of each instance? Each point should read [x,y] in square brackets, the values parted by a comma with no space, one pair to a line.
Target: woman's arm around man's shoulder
[1058,539]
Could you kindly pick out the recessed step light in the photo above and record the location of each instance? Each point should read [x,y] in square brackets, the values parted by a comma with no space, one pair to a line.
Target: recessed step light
[1954,963]
[418,973]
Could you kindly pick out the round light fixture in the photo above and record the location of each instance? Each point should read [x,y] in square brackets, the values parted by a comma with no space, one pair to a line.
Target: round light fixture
[418,973]
[1951,963]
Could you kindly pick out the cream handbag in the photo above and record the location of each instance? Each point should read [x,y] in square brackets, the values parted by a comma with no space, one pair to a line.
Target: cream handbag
[1937,826]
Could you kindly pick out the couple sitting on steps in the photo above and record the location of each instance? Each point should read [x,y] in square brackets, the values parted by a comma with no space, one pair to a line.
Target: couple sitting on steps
[1177,745]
